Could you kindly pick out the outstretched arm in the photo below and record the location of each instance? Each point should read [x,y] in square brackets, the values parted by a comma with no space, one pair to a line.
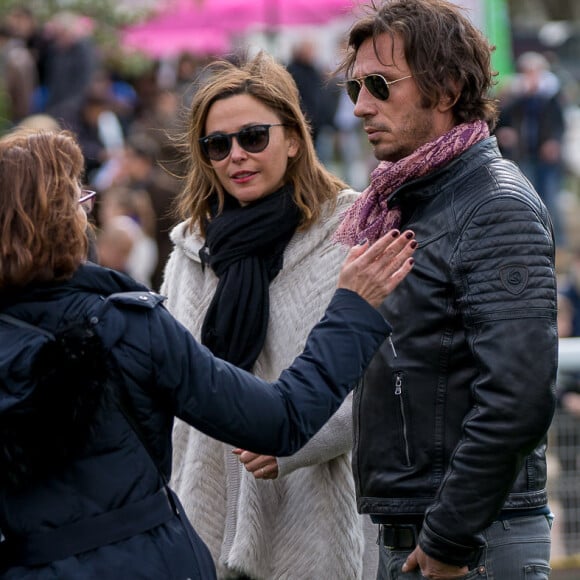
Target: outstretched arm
[278,418]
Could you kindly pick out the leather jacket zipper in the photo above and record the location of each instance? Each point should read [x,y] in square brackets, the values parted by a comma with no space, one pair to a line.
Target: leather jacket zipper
[399,394]
[390,339]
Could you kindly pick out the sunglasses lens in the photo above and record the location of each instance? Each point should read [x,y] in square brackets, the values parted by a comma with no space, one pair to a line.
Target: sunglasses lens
[353,90]
[217,147]
[377,87]
[254,139]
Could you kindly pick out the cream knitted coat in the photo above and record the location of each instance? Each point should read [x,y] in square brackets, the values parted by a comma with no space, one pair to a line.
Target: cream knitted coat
[304,524]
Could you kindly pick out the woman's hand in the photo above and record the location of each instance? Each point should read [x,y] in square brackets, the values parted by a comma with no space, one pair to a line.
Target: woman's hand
[261,466]
[375,271]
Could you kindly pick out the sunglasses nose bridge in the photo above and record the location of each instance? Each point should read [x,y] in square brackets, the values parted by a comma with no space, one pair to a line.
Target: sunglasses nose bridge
[364,95]
[236,149]
[366,85]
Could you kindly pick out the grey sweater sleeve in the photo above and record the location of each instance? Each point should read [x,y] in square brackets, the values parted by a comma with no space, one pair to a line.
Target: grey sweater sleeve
[333,439]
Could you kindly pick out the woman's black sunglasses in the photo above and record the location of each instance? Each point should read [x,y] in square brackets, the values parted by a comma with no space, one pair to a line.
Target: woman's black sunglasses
[252,139]
[377,85]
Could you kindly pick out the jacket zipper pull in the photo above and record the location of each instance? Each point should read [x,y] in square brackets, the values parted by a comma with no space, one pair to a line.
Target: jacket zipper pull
[392,346]
[398,384]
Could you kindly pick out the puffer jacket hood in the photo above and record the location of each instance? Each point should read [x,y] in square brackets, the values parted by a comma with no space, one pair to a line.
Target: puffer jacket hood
[51,381]
[21,345]
[16,357]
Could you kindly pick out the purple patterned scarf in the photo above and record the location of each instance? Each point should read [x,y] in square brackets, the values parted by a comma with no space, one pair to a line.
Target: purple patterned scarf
[370,217]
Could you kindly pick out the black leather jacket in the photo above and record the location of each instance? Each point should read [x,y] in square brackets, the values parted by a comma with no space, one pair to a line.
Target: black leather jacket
[454,426]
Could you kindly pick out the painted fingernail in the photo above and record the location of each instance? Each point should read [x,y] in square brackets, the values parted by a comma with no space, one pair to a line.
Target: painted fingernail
[411,261]
[363,242]
[395,233]
[409,235]
[414,244]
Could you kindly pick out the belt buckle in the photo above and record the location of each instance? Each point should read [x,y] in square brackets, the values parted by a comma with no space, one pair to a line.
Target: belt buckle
[399,536]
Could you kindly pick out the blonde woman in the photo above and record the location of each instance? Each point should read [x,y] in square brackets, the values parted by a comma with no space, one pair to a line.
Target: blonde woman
[252,270]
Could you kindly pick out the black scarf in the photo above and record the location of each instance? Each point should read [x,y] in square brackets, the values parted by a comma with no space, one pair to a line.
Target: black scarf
[245,248]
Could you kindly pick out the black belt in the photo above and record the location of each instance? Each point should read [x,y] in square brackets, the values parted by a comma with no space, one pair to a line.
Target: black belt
[88,534]
[399,536]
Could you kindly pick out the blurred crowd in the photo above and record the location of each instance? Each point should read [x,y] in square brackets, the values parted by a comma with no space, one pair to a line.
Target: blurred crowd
[55,77]
[53,74]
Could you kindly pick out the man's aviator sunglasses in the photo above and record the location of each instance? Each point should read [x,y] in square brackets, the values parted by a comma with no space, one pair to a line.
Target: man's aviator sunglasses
[252,139]
[377,85]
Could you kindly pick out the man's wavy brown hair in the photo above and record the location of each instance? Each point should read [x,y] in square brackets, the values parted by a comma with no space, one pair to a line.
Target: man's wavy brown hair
[447,54]
[42,232]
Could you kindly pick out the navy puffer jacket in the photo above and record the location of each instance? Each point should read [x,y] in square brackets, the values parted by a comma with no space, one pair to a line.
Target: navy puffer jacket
[107,513]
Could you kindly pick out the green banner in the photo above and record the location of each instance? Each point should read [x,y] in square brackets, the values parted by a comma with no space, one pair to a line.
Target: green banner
[498,30]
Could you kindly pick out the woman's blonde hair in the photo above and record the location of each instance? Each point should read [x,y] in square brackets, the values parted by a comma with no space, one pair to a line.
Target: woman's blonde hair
[269,82]
[42,233]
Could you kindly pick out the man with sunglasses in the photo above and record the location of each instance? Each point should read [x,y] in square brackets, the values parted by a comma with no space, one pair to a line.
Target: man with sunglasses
[451,418]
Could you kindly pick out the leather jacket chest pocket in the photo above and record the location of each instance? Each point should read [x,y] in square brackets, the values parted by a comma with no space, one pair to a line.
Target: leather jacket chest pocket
[426,238]
[402,413]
